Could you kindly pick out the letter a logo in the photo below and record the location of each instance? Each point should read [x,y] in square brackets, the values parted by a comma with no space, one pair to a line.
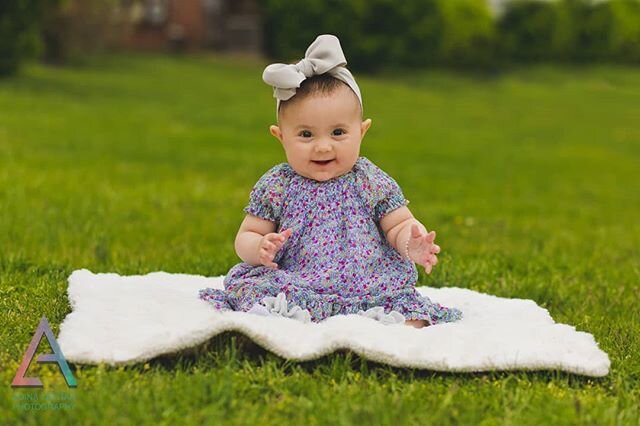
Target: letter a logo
[55,357]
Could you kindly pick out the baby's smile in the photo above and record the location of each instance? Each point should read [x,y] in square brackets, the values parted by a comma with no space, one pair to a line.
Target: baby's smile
[322,162]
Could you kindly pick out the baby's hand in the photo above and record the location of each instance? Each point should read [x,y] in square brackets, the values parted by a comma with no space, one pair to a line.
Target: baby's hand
[421,248]
[269,246]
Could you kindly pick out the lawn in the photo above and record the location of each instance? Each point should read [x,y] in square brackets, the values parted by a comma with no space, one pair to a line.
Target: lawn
[138,163]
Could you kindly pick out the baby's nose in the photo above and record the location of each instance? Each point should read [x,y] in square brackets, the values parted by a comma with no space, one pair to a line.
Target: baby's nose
[323,147]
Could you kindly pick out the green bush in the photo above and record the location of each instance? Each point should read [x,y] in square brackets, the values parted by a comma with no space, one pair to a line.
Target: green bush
[377,33]
[292,25]
[611,32]
[571,30]
[468,36]
[527,30]
[19,31]
[380,42]
[568,32]
[457,33]
[435,32]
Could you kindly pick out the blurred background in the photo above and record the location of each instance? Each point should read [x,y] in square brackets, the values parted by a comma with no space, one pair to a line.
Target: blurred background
[410,33]
[132,132]
[507,107]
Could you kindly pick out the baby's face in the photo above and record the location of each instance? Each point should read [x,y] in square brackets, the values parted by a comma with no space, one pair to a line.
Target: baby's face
[321,134]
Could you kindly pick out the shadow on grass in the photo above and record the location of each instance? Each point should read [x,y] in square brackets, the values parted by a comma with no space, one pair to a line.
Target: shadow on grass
[235,350]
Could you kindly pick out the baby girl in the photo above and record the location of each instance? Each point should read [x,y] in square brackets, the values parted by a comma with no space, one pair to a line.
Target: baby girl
[327,232]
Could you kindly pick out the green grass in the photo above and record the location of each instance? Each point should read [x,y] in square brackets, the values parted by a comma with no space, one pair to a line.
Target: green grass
[141,163]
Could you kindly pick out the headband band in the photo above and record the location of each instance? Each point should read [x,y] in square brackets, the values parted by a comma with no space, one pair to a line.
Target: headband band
[324,55]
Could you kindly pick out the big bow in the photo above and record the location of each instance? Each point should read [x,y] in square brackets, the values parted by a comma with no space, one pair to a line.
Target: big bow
[324,55]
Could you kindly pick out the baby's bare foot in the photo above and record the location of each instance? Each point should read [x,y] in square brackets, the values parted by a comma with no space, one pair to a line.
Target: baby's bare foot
[417,323]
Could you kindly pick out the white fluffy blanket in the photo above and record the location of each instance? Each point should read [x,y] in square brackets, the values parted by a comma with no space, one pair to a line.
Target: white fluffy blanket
[125,319]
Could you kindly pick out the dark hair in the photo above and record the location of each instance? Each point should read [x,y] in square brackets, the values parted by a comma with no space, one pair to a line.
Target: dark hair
[317,84]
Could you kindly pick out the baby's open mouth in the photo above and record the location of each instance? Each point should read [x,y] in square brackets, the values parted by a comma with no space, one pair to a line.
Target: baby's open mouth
[322,162]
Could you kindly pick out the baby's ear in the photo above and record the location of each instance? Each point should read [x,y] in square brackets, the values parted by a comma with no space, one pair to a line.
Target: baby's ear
[276,132]
[364,127]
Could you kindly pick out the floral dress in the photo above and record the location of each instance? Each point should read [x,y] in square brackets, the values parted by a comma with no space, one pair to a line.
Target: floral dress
[337,260]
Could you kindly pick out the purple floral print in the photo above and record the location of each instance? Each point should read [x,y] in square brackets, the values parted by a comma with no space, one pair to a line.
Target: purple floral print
[337,261]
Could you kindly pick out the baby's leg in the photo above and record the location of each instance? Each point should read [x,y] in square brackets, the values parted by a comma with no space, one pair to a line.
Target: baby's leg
[416,323]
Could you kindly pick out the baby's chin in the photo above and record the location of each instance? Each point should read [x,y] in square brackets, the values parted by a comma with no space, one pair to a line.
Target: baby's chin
[322,173]
[322,176]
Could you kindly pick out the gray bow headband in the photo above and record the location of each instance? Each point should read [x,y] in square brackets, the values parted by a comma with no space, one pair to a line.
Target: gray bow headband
[324,55]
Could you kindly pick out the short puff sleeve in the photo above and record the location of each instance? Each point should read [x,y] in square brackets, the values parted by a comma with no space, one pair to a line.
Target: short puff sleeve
[266,197]
[383,193]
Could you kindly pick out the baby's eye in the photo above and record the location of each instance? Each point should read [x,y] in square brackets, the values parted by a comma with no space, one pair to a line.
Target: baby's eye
[339,132]
[305,134]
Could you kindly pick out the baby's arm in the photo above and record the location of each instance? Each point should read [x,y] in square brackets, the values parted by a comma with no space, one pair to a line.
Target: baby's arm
[257,243]
[397,227]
